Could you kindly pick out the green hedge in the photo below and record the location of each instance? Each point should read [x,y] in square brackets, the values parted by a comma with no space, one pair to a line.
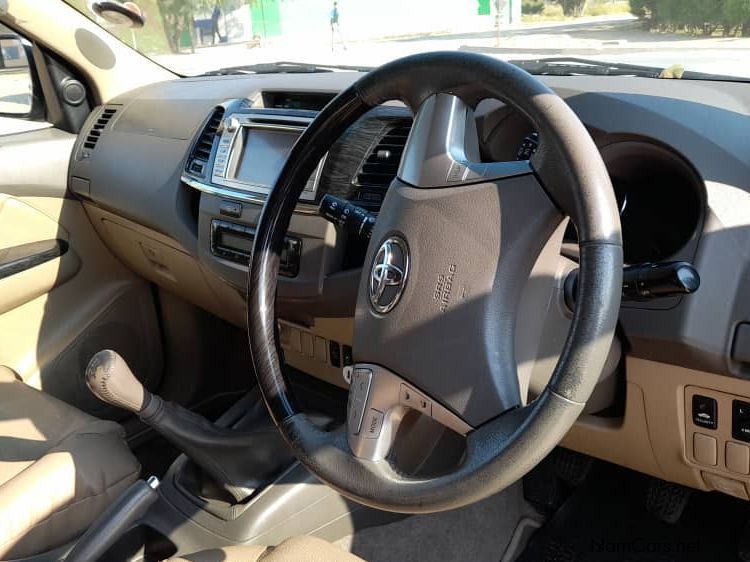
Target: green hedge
[704,17]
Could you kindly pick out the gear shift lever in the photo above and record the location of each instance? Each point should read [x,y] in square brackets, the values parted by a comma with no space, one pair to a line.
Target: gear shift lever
[112,381]
[240,460]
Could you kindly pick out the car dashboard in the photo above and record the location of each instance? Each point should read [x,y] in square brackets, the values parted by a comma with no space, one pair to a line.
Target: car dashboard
[174,176]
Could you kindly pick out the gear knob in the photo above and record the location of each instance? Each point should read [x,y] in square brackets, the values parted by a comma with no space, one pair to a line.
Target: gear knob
[111,380]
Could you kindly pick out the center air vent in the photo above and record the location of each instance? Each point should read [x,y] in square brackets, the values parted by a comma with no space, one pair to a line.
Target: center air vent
[201,153]
[379,168]
[92,138]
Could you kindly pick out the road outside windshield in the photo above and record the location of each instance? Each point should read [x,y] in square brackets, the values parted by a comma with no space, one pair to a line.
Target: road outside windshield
[197,36]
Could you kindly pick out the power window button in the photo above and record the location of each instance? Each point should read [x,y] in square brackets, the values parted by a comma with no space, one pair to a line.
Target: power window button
[705,411]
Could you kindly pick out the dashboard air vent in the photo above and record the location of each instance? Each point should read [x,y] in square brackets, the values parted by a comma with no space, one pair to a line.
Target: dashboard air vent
[199,157]
[106,115]
[379,168]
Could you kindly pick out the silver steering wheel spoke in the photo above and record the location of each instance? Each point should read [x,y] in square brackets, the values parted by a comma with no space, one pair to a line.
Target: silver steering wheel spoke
[378,401]
[443,148]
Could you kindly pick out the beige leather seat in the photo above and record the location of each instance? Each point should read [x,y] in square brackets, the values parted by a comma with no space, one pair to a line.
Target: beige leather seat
[295,549]
[59,469]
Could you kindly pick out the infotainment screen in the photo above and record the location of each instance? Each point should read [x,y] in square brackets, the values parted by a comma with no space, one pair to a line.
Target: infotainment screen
[264,152]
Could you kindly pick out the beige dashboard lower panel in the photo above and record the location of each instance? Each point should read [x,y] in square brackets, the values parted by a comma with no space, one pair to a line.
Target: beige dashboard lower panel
[651,436]
[165,262]
[621,441]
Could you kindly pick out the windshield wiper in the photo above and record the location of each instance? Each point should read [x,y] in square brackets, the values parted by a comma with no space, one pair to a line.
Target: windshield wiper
[285,67]
[572,66]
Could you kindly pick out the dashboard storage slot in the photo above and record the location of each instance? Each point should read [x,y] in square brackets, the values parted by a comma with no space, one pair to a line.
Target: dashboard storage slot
[234,242]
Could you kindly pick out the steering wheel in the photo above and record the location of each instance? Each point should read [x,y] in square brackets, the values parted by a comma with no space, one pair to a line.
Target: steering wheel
[437,308]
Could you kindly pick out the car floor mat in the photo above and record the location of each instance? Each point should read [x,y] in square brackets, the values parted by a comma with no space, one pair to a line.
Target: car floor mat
[606,520]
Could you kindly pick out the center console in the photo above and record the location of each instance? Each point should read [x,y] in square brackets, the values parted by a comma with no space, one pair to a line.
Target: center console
[231,167]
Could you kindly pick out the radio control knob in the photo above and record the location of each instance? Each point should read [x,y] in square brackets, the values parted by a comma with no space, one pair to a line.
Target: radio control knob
[231,124]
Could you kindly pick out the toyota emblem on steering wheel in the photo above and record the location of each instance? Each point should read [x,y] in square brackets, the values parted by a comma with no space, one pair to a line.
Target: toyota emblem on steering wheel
[390,269]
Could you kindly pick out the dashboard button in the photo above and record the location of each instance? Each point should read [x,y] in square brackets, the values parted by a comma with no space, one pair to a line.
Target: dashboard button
[347,355]
[320,349]
[704,449]
[741,420]
[334,352]
[230,208]
[358,391]
[373,424]
[307,344]
[413,399]
[737,458]
[705,411]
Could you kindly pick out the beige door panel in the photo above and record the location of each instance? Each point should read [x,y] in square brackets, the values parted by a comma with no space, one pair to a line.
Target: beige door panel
[35,162]
[54,316]
[20,224]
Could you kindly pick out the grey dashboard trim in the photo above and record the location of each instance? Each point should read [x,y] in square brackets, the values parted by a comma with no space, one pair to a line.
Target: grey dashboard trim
[241,195]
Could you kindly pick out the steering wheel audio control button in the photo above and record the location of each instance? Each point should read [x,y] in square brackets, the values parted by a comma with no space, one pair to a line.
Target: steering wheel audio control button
[374,424]
[413,399]
[358,392]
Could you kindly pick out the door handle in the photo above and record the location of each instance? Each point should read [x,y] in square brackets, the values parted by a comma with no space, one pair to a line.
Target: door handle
[25,256]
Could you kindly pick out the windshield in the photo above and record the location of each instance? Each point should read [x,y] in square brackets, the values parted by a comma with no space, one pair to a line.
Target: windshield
[194,37]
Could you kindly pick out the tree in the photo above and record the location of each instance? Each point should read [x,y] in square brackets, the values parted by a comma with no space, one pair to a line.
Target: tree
[573,8]
[178,15]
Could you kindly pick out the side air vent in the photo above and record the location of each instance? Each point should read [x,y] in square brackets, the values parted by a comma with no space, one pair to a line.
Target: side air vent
[379,168]
[100,124]
[201,153]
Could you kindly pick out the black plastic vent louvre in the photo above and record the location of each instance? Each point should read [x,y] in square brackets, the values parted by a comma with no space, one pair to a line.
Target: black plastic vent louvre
[99,125]
[379,168]
[199,157]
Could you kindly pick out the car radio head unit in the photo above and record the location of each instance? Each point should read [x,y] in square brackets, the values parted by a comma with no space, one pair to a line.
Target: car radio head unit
[253,148]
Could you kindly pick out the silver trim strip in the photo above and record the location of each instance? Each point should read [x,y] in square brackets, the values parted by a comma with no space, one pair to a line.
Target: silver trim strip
[243,196]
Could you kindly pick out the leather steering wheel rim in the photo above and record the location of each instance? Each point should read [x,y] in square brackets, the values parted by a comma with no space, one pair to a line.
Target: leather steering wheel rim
[500,450]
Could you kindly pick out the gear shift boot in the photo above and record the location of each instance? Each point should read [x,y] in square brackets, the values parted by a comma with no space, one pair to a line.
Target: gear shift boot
[240,460]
